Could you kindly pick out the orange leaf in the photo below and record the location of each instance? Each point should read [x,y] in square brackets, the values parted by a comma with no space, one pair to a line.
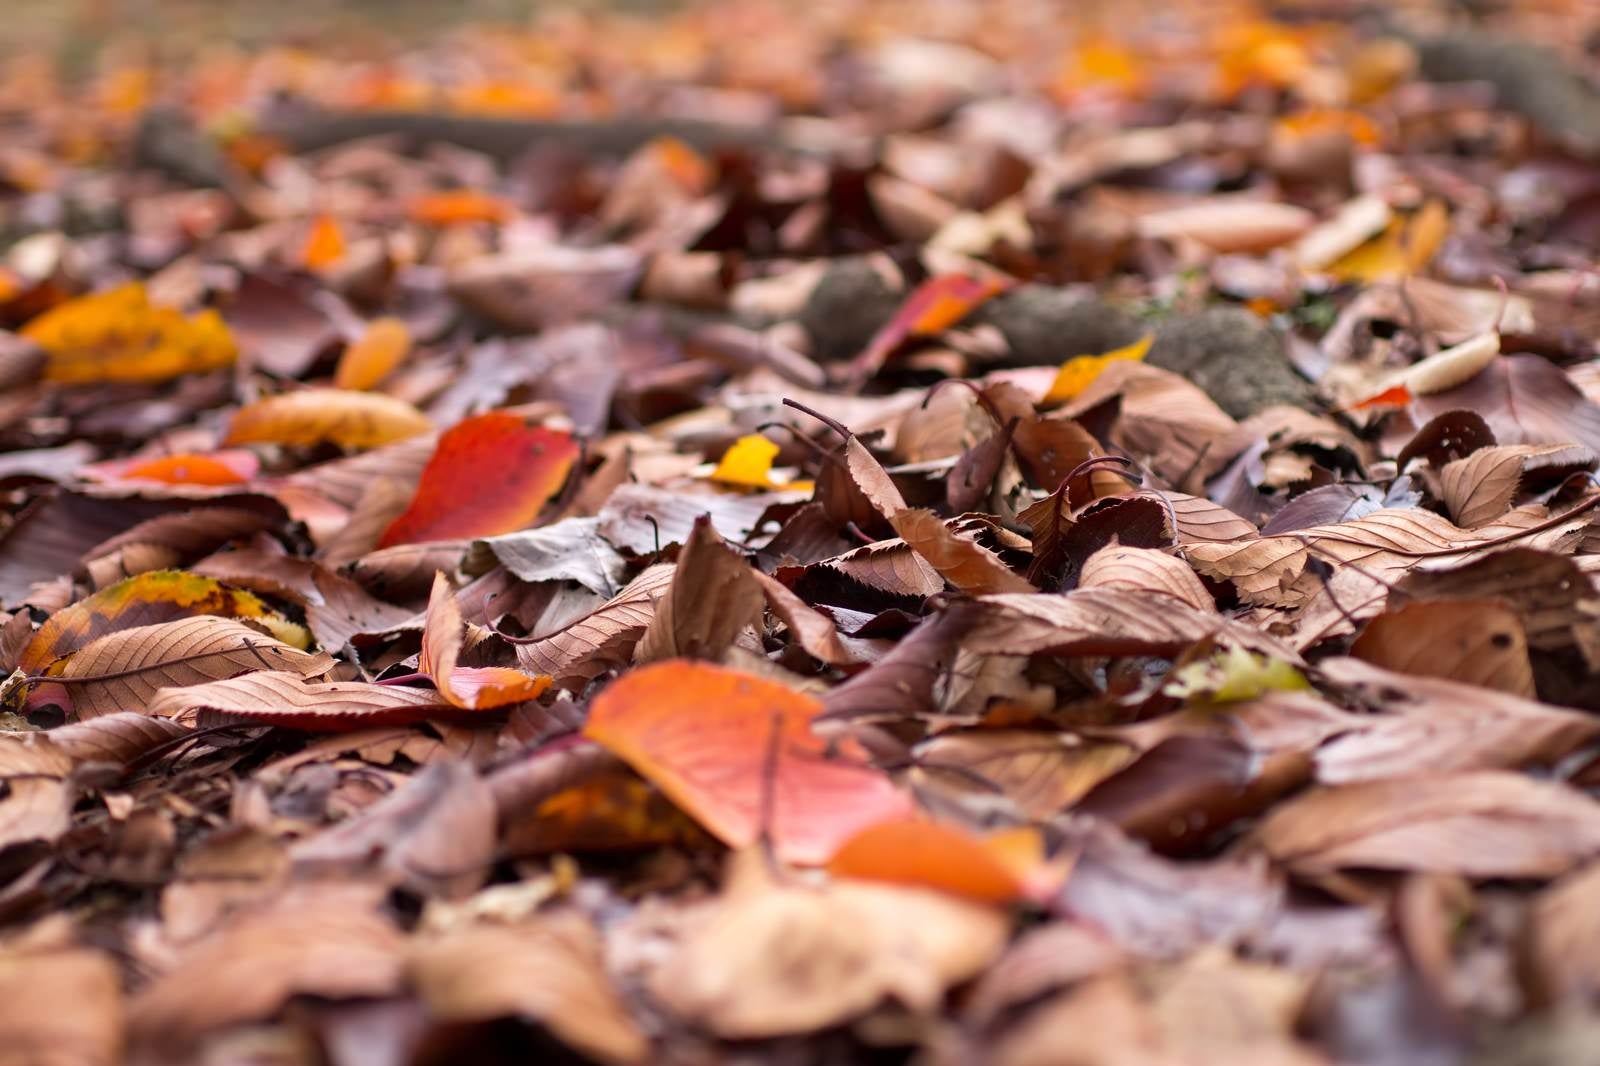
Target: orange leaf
[1398,396]
[119,335]
[452,207]
[935,305]
[317,416]
[232,467]
[324,245]
[1001,868]
[490,474]
[369,359]
[738,754]
[470,688]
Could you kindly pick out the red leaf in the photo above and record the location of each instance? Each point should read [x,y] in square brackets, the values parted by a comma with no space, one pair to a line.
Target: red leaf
[737,752]
[489,474]
[935,305]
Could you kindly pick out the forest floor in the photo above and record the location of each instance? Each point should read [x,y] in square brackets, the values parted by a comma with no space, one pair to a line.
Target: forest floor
[761,533]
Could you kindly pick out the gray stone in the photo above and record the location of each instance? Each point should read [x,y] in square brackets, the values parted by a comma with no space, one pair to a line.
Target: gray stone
[1044,325]
[1234,357]
[846,308]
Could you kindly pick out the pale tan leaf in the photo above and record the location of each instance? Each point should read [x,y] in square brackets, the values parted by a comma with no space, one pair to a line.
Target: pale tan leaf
[1231,225]
[1115,566]
[957,556]
[121,671]
[602,640]
[766,959]
[1481,487]
[1486,824]
[550,971]
[1475,642]
[289,700]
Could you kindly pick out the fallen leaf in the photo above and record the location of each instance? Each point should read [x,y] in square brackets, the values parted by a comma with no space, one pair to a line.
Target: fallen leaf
[712,599]
[1000,868]
[1230,225]
[472,688]
[1487,824]
[766,959]
[183,468]
[1479,643]
[123,669]
[934,306]
[370,358]
[288,700]
[357,420]
[489,474]
[1079,372]
[550,971]
[119,335]
[739,754]
[748,464]
[147,599]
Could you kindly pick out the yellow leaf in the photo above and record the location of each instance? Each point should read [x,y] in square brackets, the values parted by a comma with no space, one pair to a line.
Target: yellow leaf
[748,464]
[1234,675]
[1405,247]
[1079,372]
[119,335]
[369,359]
[317,416]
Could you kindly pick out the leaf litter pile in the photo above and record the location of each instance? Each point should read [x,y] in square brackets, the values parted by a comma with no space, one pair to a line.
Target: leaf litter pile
[781,533]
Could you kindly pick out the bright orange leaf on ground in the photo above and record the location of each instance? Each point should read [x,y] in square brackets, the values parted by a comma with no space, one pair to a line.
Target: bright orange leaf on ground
[492,473]
[453,207]
[233,467]
[472,688]
[1100,65]
[324,246]
[1001,868]
[737,752]
[326,416]
[371,357]
[119,335]
[935,305]
[146,599]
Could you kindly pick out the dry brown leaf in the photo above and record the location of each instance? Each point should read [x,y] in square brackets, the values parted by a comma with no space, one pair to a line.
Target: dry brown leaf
[1041,773]
[1484,485]
[121,671]
[767,959]
[550,971]
[1476,642]
[711,601]
[956,555]
[602,640]
[289,700]
[435,835]
[1272,570]
[60,1007]
[1145,569]
[1437,725]
[325,939]
[1485,824]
